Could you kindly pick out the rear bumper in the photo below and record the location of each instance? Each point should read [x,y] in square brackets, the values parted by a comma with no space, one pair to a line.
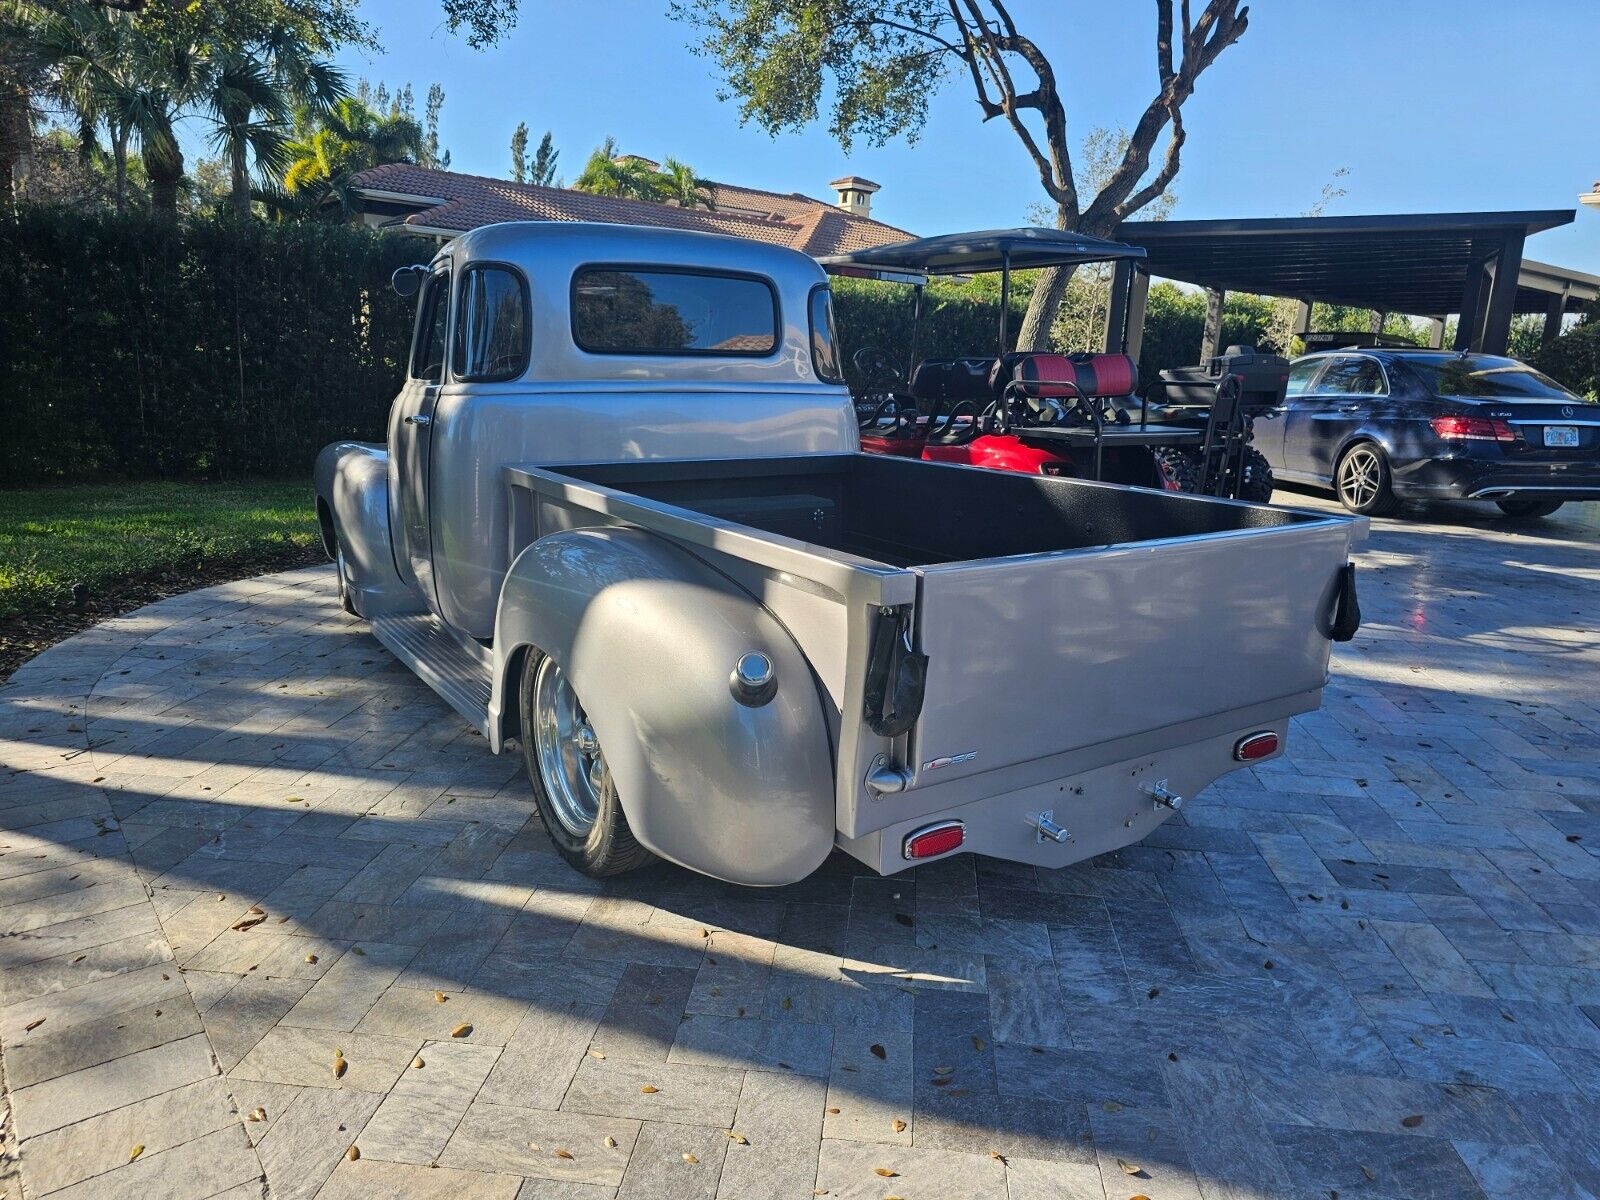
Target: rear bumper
[1490,479]
[1103,809]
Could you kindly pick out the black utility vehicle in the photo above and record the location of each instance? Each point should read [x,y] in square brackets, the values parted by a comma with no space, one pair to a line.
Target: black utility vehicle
[1383,424]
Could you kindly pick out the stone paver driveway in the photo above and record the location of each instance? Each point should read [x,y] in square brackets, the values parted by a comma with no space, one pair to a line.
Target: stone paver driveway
[273,922]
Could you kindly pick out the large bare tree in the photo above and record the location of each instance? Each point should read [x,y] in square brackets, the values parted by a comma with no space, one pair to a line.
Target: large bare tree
[886,59]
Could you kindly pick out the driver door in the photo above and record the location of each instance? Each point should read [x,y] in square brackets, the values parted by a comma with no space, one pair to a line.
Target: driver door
[410,436]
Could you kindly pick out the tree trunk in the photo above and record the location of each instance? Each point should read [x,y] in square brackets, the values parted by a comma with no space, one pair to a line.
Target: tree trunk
[119,153]
[241,183]
[16,137]
[1048,294]
[163,163]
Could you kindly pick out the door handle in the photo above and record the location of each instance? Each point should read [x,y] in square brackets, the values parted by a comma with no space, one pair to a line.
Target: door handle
[419,419]
[1349,408]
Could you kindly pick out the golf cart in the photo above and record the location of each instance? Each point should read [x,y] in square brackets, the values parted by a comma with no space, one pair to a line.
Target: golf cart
[1050,414]
[1221,399]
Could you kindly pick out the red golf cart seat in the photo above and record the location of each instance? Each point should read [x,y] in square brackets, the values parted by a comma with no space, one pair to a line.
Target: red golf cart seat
[1097,376]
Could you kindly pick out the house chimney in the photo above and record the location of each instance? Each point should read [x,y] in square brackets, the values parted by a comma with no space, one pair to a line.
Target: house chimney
[855,194]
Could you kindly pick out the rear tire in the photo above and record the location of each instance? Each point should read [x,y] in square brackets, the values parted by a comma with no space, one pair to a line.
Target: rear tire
[572,786]
[1177,469]
[1528,509]
[1257,484]
[1361,480]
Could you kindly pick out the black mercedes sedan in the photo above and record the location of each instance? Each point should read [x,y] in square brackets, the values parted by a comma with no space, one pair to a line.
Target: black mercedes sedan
[1380,426]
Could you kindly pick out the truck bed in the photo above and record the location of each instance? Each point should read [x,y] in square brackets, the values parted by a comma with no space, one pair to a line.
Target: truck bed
[906,512]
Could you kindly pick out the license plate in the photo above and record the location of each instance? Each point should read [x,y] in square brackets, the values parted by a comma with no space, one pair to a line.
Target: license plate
[1560,435]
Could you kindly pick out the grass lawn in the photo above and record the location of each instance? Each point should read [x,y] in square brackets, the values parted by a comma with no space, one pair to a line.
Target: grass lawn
[100,535]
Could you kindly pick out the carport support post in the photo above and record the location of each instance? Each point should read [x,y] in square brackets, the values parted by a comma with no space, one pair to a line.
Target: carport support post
[1436,333]
[1213,328]
[1138,294]
[1555,308]
[1302,318]
[1503,296]
[1470,322]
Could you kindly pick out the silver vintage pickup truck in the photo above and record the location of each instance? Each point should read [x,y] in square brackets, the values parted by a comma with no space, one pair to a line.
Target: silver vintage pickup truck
[622,524]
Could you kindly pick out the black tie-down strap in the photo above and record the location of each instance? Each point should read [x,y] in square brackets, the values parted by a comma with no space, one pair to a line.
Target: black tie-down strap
[896,675]
[1346,617]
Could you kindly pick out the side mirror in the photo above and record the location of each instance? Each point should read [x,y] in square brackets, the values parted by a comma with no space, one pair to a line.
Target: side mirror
[407,281]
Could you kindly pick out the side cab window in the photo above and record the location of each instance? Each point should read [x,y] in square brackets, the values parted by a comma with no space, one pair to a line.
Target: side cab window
[1354,376]
[433,318]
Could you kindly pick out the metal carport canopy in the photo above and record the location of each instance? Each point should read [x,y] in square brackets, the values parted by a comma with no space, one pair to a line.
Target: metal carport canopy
[1414,263]
[983,251]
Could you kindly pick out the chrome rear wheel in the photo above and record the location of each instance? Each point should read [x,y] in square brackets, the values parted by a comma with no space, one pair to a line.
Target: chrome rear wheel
[571,767]
[1362,480]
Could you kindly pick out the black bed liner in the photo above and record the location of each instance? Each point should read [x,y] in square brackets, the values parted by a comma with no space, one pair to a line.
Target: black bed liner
[907,512]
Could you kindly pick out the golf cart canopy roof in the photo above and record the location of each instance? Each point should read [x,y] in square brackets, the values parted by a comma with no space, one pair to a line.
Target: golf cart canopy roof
[979,253]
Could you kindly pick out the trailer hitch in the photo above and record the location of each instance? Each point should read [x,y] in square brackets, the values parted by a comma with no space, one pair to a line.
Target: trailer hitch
[896,675]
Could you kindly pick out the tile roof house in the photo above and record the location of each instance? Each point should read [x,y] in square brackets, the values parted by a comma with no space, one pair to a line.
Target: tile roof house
[406,198]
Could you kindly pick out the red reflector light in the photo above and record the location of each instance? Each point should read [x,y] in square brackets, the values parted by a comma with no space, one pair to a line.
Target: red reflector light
[1257,745]
[1481,429]
[934,840]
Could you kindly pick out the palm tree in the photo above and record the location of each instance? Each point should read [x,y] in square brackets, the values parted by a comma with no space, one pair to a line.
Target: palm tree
[679,184]
[251,95]
[609,174]
[348,138]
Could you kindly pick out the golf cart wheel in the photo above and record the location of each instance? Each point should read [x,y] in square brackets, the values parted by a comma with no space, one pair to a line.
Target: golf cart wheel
[1257,484]
[347,600]
[1528,509]
[1361,481]
[1178,469]
[572,786]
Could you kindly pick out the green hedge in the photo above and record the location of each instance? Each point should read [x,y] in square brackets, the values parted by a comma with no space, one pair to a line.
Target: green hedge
[957,318]
[138,348]
[1574,358]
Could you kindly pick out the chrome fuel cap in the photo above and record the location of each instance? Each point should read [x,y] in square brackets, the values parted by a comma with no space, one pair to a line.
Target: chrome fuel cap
[754,680]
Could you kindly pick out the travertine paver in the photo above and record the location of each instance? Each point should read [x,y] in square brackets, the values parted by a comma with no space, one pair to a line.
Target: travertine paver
[240,844]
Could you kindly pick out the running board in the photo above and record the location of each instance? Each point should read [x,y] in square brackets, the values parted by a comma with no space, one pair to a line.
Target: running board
[459,669]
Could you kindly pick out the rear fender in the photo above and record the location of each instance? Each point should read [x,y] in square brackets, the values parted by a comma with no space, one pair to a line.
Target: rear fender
[649,635]
[352,486]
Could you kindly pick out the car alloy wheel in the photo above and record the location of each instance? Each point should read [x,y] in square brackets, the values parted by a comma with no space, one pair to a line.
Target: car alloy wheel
[1362,480]
[571,767]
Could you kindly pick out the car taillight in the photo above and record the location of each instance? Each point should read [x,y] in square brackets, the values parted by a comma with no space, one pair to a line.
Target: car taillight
[1256,746]
[1482,429]
[934,840]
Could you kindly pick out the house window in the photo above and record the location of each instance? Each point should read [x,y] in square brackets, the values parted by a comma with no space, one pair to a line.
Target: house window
[824,345]
[632,310]
[491,325]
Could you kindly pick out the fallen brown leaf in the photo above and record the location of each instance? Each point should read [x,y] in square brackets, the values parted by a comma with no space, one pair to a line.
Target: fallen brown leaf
[461,1030]
[339,1066]
[1111,1106]
[311,958]
[834,1111]
[997,1156]
[439,997]
[417,1064]
[878,1051]
[885,1172]
[137,1150]
[257,909]
[977,1043]
[737,1138]
[1412,1121]
[1369,1172]
[32,1025]
[561,1153]
[353,1153]
[1129,1168]
[649,1089]
[689,1158]
[897,1125]
[258,1114]
[248,923]
[611,1142]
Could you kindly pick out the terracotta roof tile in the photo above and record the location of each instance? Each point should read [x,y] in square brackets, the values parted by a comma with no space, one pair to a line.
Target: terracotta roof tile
[780,219]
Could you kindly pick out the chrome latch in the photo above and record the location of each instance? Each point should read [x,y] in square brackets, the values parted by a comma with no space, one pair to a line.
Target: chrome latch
[884,777]
[1162,795]
[1047,829]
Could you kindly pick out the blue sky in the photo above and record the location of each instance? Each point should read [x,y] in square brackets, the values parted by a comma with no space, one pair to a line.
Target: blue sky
[1430,105]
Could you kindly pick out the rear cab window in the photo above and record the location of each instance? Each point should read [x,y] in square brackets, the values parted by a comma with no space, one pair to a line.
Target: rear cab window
[621,309]
[1486,377]
[1301,375]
